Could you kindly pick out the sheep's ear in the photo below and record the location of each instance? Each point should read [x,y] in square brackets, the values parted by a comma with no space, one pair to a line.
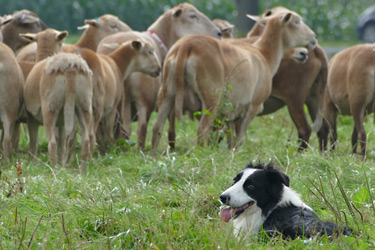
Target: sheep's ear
[257,19]
[93,22]
[227,28]
[83,27]
[6,19]
[287,17]
[267,12]
[61,35]
[177,12]
[31,37]
[137,45]
[112,45]
[254,18]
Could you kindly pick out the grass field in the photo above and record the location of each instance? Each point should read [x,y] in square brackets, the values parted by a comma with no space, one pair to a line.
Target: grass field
[131,200]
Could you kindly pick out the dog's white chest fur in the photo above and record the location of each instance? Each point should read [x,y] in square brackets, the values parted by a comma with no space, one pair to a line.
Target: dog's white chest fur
[245,225]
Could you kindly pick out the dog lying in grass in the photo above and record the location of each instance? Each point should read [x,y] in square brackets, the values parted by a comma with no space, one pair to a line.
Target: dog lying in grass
[260,196]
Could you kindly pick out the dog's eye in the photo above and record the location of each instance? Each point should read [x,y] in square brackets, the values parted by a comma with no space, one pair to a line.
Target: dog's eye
[250,186]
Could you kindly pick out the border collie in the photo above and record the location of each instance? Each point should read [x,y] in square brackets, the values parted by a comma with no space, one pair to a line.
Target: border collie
[260,197]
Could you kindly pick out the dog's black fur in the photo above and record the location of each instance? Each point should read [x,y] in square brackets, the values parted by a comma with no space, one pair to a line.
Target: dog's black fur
[282,211]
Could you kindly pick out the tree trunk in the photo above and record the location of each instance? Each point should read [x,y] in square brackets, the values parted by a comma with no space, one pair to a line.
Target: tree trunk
[243,23]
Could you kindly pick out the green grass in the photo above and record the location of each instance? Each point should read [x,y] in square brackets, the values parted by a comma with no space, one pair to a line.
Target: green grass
[131,200]
[72,38]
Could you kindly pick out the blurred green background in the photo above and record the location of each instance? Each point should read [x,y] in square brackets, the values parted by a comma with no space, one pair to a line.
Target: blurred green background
[333,20]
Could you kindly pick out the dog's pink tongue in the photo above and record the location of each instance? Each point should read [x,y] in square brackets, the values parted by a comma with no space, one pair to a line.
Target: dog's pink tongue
[226,214]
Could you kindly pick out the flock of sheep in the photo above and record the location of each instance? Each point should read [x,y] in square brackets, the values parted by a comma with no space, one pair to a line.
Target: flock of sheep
[110,77]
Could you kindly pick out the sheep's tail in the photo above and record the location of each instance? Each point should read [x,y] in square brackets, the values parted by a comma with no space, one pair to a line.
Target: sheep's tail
[69,107]
[318,122]
[180,65]
[68,65]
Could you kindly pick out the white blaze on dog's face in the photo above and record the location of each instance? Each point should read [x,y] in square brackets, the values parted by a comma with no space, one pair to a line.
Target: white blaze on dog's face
[237,198]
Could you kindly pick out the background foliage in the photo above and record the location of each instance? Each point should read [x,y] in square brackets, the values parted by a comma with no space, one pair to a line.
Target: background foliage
[332,20]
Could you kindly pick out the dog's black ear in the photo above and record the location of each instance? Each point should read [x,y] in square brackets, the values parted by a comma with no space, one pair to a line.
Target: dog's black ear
[257,166]
[275,175]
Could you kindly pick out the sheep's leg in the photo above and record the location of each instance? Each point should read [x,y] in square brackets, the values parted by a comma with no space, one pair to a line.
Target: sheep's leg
[164,110]
[97,116]
[126,115]
[245,122]
[33,126]
[358,115]
[172,130]
[49,125]
[329,124]
[16,136]
[297,113]
[71,143]
[85,118]
[8,128]
[92,137]
[354,139]
[142,127]
[100,137]
[358,100]
[108,126]
[204,126]
[61,145]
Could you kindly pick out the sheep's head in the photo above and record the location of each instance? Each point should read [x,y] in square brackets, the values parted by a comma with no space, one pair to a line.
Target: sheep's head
[146,59]
[103,26]
[226,28]
[23,21]
[185,19]
[143,56]
[49,41]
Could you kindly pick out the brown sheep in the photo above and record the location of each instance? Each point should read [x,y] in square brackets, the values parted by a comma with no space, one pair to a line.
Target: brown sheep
[305,84]
[141,90]
[95,31]
[226,28]
[23,21]
[350,91]
[58,88]
[11,96]
[194,63]
[109,73]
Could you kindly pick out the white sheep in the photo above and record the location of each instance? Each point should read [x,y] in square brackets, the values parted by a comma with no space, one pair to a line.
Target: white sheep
[58,88]
[11,88]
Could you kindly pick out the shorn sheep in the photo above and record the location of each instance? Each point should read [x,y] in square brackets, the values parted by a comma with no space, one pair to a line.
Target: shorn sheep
[206,66]
[305,84]
[57,89]
[140,89]
[94,31]
[11,95]
[350,91]
[109,72]
[23,21]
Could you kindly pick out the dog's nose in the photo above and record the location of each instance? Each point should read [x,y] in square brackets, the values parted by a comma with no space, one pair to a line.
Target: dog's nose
[225,199]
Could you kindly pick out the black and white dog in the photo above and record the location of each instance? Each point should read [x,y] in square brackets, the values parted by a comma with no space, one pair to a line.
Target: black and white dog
[261,197]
